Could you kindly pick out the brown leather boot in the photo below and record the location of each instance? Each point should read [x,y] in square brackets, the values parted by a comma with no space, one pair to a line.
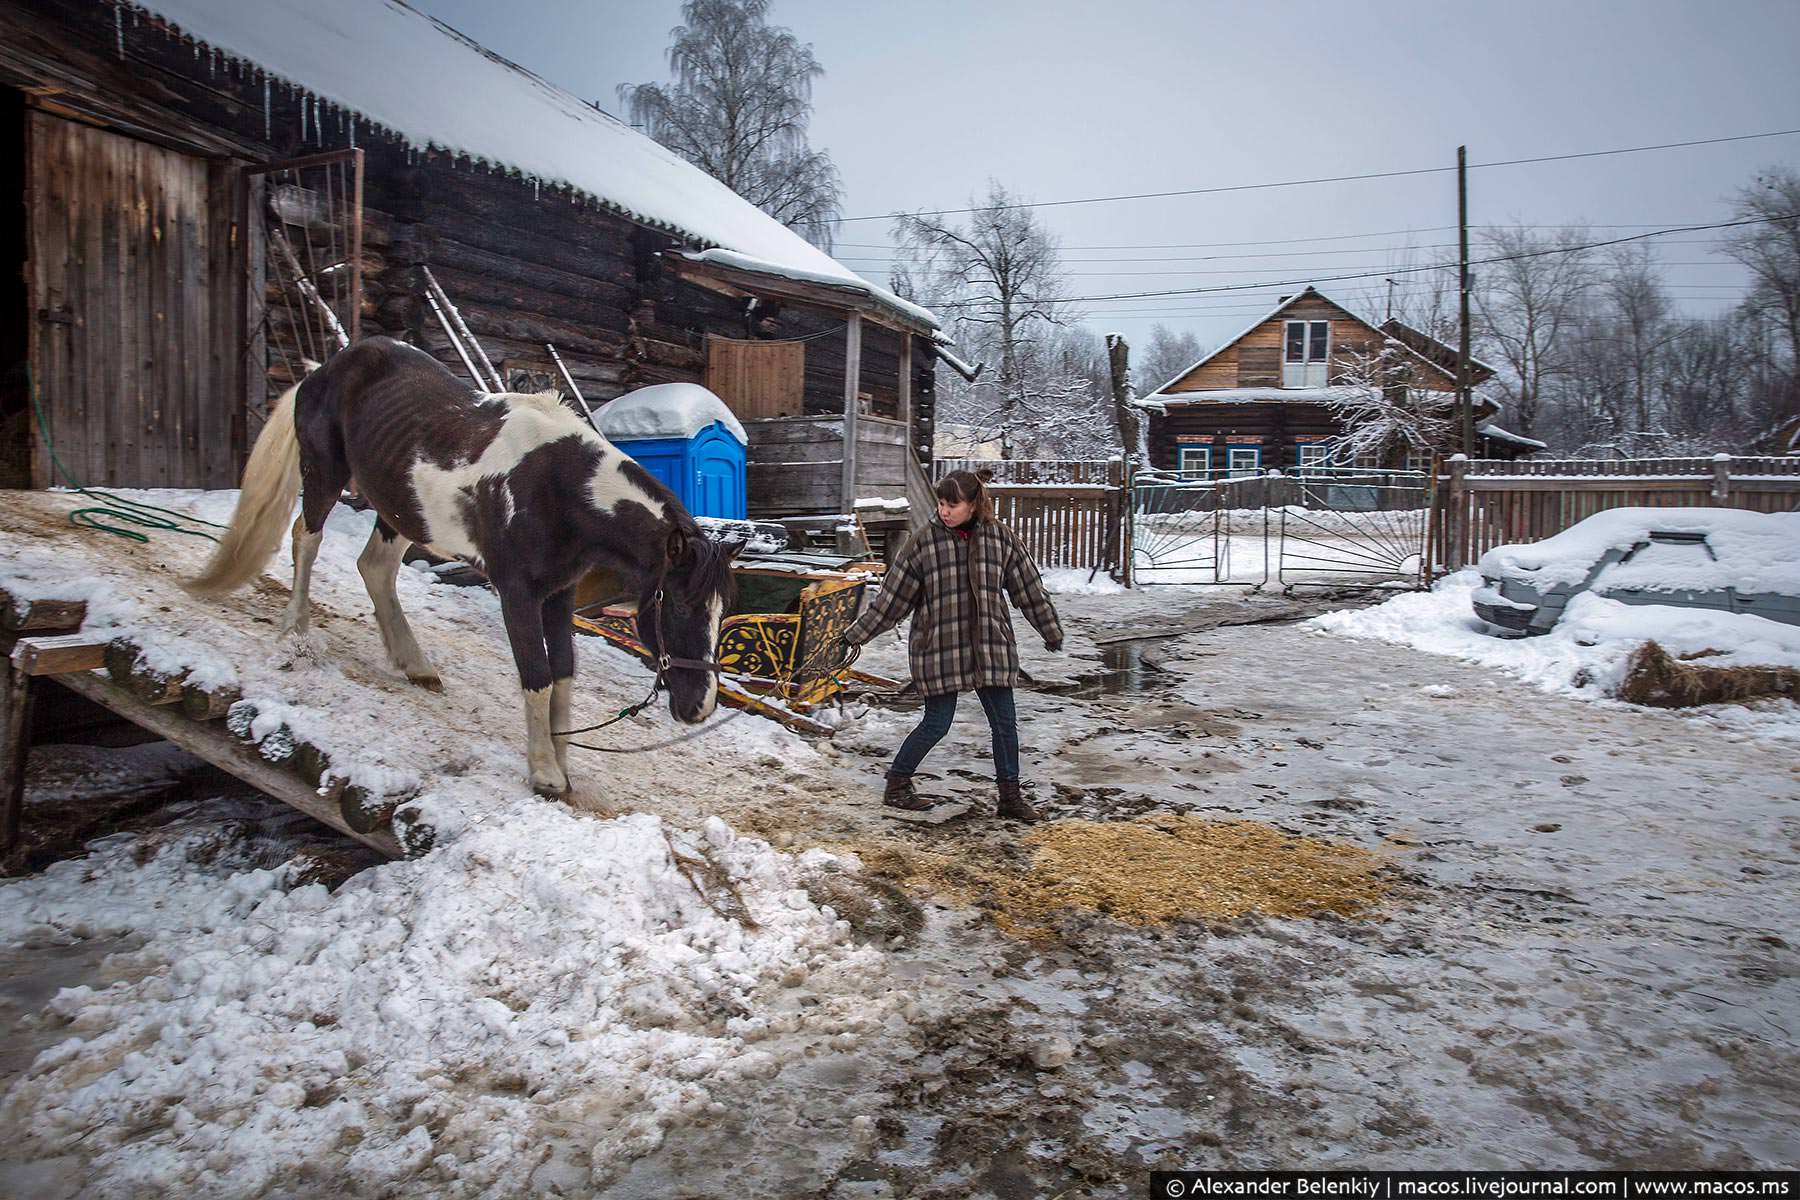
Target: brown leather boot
[1013,806]
[899,793]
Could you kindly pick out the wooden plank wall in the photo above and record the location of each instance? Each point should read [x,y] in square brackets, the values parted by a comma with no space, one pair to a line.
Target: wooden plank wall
[1074,526]
[796,463]
[130,258]
[757,380]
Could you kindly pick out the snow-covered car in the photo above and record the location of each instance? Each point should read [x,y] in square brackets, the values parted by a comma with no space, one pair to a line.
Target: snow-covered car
[1719,558]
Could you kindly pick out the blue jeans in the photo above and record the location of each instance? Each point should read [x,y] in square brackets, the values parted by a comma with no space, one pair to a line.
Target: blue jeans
[1003,723]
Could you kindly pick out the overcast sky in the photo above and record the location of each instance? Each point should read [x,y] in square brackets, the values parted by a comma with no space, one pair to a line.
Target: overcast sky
[923,102]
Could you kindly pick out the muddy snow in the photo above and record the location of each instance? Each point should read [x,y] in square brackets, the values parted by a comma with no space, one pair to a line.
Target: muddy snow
[724,971]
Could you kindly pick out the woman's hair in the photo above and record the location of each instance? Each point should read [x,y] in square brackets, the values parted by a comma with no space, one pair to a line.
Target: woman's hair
[961,487]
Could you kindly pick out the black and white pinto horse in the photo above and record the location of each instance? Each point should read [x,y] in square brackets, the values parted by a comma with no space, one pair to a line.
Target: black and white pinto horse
[517,485]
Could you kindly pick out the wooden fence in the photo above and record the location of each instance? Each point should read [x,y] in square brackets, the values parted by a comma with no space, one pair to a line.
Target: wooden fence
[1068,512]
[1483,503]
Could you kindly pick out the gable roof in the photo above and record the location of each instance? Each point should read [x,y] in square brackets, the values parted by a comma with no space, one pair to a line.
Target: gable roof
[1426,349]
[414,78]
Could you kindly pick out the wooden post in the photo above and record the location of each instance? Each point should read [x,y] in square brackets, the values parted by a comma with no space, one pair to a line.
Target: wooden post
[1118,360]
[852,384]
[15,745]
[1721,489]
[1456,517]
[1126,497]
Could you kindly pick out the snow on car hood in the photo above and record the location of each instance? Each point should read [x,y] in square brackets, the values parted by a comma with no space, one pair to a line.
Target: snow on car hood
[1754,552]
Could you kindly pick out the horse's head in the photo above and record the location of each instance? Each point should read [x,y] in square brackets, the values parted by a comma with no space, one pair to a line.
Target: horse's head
[697,588]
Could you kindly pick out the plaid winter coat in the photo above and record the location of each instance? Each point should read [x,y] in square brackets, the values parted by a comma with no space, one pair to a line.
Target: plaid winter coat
[956,589]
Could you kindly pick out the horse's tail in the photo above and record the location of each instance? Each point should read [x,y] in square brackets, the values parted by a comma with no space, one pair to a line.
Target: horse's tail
[271,481]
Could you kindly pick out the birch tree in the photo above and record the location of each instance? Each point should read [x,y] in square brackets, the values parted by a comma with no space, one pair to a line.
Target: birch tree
[738,109]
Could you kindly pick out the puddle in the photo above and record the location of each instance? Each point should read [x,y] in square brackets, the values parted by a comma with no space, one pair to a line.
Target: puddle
[1128,668]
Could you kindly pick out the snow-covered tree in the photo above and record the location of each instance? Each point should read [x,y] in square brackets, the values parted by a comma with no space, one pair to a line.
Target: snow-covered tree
[738,109]
[1384,416]
[1164,355]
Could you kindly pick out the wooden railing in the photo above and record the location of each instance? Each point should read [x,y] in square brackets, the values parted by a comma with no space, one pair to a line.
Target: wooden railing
[1034,470]
[1485,503]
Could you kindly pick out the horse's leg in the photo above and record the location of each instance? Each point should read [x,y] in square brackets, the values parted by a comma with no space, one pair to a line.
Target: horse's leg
[323,473]
[380,565]
[559,644]
[524,614]
[306,548]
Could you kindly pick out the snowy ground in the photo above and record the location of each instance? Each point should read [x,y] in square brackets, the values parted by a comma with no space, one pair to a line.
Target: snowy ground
[749,986]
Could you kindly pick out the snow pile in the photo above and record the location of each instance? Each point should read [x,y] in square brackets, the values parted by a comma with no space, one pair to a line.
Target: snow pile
[1584,655]
[1749,551]
[436,1023]
[667,410]
[1073,581]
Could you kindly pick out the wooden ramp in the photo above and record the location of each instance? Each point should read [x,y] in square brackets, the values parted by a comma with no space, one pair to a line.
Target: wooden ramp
[321,722]
[42,640]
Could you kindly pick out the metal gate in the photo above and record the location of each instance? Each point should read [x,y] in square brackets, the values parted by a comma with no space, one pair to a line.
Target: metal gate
[1340,526]
[1321,527]
[1193,528]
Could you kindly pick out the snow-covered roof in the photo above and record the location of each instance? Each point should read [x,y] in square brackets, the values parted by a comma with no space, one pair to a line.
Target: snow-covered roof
[1249,395]
[668,410]
[1489,429]
[745,262]
[415,78]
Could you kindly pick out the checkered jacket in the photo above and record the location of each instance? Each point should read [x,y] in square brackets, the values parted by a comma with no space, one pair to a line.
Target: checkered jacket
[956,589]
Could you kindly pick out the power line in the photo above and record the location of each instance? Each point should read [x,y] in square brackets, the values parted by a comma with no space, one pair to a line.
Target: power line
[1254,187]
[1279,283]
[873,261]
[1334,237]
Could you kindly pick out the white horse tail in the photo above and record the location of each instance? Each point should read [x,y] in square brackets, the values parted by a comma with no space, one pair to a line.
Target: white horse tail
[271,481]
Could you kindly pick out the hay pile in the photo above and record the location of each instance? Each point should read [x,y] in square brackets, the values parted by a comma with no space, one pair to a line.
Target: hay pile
[1657,678]
[1152,871]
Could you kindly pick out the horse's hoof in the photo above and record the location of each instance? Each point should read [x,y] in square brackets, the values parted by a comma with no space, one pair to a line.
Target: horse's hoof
[430,683]
[550,789]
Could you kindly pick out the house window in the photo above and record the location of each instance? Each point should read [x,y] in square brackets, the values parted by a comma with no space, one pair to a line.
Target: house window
[1244,460]
[1195,462]
[1306,354]
[1313,454]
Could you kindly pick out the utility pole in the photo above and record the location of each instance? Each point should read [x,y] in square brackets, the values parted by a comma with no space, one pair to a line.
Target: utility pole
[1465,407]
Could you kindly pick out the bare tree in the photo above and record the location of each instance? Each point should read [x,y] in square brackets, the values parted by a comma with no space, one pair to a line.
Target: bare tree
[738,110]
[1771,251]
[999,278]
[1529,309]
[1165,355]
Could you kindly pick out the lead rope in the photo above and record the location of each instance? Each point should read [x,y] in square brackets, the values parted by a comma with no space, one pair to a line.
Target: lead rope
[663,662]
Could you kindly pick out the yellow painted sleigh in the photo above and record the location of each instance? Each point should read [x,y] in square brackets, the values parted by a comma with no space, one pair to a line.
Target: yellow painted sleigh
[778,643]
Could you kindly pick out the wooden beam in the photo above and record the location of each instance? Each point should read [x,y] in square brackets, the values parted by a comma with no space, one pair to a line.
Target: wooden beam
[41,616]
[215,744]
[58,654]
[852,384]
[15,745]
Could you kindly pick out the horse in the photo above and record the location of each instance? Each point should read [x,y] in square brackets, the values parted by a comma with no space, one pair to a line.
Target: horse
[517,485]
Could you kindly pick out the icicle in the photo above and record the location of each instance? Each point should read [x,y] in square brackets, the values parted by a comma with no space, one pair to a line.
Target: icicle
[537,189]
[353,133]
[119,29]
[268,118]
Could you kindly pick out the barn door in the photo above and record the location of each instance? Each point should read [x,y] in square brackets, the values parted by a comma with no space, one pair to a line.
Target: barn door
[757,379]
[136,299]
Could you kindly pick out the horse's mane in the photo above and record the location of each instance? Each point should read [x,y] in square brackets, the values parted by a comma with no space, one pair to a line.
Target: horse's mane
[712,570]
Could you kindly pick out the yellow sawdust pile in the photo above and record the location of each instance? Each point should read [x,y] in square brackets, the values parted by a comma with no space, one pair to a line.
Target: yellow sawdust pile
[1154,870]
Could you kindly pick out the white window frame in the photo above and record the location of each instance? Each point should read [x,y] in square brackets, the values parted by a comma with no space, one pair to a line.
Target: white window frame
[1313,367]
[1236,470]
[1182,458]
[1312,454]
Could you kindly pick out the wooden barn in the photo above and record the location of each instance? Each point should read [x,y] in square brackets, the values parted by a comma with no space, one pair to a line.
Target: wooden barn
[1262,400]
[200,194]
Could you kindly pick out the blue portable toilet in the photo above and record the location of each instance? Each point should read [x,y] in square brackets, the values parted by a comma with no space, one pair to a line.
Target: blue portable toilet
[685,436]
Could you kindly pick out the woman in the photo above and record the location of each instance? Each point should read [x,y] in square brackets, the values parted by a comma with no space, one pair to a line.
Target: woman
[954,575]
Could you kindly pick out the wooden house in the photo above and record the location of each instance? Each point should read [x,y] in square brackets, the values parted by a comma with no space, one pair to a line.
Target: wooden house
[201,193]
[1263,400]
